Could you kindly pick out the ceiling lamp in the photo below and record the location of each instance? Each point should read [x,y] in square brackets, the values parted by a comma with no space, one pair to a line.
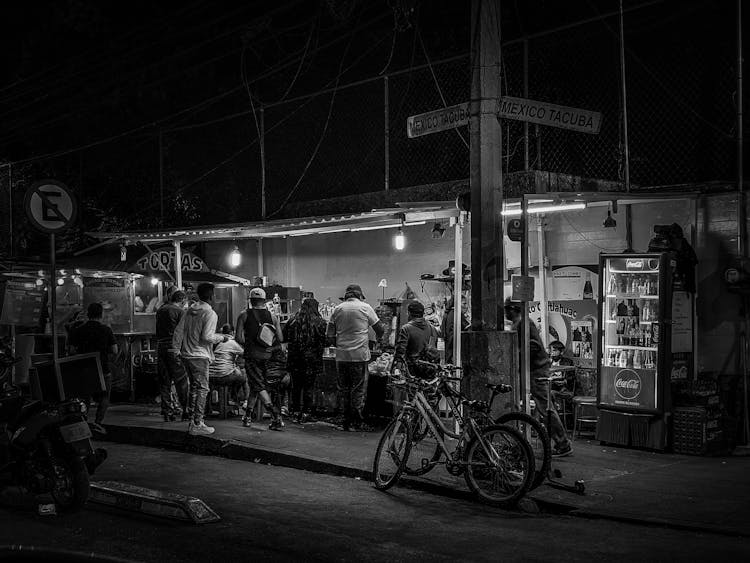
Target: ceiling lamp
[609,222]
[399,241]
[516,211]
[235,257]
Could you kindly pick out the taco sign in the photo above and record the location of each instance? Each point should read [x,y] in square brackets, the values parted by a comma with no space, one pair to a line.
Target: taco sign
[164,260]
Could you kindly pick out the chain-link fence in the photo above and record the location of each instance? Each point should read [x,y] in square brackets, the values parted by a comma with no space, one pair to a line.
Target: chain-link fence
[352,139]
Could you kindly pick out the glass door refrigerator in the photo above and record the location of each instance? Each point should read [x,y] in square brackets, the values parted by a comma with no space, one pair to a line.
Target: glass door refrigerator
[633,385]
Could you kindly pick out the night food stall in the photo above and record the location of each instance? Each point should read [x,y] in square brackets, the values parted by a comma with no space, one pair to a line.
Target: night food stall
[319,256]
[132,295]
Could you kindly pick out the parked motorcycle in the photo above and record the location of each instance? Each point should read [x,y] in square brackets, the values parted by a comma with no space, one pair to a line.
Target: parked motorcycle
[45,446]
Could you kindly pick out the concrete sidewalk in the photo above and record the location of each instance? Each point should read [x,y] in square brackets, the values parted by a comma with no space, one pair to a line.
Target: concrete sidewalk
[709,494]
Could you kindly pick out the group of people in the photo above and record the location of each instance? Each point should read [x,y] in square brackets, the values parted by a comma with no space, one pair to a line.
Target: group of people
[191,352]
[260,359]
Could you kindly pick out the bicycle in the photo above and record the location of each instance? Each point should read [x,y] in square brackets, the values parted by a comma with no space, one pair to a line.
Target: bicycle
[530,428]
[496,460]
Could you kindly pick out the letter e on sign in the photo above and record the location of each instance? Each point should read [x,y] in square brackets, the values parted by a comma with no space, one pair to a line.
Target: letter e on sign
[50,206]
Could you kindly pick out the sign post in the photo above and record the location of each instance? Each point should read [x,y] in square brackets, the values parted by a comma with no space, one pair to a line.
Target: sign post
[51,208]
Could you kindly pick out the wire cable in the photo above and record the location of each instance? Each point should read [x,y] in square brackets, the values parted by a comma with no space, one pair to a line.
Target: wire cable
[437,84]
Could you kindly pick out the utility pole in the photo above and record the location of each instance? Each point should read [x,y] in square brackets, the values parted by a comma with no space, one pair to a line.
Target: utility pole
[487,259]
[488,353]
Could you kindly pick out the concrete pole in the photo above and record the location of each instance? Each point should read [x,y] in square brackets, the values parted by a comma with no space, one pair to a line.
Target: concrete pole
[178,264]
[487,258]
[386,134]
[458,278]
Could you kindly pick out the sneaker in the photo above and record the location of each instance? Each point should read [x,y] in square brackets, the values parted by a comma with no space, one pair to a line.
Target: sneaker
[98,428]
[344,428]
[307,417]
[562,450]
[277,425]
[246,422]
[200,429]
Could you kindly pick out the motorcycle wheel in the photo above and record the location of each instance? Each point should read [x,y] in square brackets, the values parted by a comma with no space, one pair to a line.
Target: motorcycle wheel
[74,492]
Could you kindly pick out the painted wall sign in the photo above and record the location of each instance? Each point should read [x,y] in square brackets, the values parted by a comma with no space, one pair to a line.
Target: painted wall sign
[552,115]
[164,260]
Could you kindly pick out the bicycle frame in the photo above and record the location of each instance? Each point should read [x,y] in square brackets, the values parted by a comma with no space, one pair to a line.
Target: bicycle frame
[468,426]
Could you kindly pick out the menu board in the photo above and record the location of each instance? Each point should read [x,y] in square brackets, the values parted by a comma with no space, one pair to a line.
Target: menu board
[21,305]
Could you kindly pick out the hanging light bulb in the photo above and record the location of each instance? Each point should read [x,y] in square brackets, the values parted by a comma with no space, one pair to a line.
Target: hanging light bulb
[235,257]
[154,280]
[399,241]
[60,281]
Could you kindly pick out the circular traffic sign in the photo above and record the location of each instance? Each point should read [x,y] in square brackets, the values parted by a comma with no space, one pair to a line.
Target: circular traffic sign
[50,206]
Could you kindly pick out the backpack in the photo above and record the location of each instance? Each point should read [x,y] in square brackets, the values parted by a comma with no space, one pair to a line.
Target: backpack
[263,334]
[428,354]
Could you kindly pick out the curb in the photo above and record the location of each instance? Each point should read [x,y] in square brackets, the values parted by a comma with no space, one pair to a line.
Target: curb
[180,440]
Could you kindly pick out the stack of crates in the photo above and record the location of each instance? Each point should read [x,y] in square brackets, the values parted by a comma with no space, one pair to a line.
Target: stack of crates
[698,431]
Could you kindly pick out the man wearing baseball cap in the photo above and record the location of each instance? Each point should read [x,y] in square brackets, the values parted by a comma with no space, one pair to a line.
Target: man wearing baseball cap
[249,324]
[349,328]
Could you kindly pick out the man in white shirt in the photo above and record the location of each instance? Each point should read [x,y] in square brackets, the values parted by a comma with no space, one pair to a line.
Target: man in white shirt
[349,327]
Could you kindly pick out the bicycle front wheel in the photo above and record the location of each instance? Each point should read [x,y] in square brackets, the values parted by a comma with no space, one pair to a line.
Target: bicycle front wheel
[499,466]
[391,454]
[536,434]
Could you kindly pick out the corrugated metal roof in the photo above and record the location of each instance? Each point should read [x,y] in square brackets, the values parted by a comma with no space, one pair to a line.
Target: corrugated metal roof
[378,218]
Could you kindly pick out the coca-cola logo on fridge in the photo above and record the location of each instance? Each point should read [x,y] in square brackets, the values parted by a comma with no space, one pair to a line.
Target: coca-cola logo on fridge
[627,384]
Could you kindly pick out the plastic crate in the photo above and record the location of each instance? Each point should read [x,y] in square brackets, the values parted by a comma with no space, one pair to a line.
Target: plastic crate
[697,431]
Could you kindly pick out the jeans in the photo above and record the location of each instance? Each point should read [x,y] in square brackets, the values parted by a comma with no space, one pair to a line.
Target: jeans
[171,371]
[555,427]
[197,370]
[236,381]
[304,373]
[352,387]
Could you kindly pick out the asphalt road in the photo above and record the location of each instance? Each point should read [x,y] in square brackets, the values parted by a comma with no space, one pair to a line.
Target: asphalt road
[273,513]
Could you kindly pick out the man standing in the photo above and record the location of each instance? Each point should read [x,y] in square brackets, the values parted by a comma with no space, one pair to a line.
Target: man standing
[414,338]
[250,333]
[93,336]
[349,327]
[195,336]
[171,369]
[539,364]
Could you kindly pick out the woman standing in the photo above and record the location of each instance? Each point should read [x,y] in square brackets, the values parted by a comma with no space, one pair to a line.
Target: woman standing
[305,334]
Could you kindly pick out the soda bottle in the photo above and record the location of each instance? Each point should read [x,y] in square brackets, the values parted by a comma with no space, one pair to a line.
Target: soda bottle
[588,290]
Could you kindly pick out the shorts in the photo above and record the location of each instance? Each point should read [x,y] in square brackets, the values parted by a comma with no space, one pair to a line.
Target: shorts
[256,374]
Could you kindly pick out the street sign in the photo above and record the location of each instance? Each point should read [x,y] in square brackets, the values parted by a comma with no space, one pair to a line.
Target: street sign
[523,288]
[553,115]
[50,206]
[515,230]
[438,120]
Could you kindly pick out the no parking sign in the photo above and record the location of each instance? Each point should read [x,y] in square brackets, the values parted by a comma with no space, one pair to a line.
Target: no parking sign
[50,206]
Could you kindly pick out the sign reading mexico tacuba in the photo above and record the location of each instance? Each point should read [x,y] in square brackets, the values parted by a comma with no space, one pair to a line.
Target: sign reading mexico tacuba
[552,115]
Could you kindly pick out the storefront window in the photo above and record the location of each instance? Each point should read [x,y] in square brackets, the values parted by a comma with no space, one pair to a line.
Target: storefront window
[147,296]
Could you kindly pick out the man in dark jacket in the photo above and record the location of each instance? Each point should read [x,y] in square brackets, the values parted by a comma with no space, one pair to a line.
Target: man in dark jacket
[170,365]
[414,338]
[93,336]
[539,364]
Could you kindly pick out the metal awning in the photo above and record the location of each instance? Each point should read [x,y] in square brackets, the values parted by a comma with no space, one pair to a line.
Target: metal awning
[405,214]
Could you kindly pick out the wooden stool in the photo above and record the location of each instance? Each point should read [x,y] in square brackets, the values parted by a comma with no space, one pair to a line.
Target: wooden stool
[223,402]
[584,411]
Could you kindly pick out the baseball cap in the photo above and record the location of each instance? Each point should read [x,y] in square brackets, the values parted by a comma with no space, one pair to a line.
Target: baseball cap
[354,288]
[257,293]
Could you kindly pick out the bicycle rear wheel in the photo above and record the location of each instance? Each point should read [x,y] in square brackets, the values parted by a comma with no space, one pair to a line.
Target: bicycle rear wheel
[391,454]
[424,446]
[537,437]
[504,476]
